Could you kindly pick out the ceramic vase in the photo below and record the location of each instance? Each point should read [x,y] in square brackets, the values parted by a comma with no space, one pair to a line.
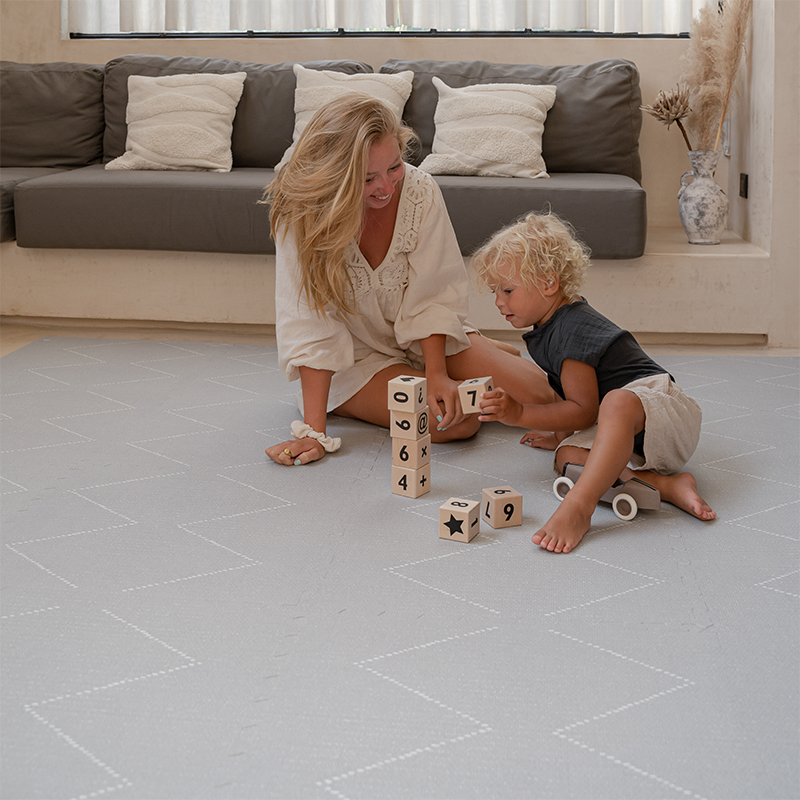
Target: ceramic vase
[702,205]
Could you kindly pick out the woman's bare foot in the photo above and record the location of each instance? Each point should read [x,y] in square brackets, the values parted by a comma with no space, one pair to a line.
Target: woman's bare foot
[506,347]
[681,490]
[564,530]
[544,440]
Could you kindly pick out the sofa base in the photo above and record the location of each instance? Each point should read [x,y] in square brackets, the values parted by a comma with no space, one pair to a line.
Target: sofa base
[665,291]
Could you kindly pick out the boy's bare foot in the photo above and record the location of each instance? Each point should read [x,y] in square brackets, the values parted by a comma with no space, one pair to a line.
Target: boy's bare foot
[681,491]
[544,440]
[564,530]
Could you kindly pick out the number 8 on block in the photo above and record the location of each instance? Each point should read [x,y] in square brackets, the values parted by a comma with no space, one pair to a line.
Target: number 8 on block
[459,520]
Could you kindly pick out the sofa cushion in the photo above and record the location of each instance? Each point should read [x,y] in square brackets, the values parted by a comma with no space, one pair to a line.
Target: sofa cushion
[609,212]
[181,122]
[262,128]
[593,125]
[490,129]
[317,87]
[219,211]
[9,178]
[213,212]
[52,114]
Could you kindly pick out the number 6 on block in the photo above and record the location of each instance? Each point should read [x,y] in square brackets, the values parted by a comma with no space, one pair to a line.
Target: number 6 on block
[501,507]
[411,453]
[412,425]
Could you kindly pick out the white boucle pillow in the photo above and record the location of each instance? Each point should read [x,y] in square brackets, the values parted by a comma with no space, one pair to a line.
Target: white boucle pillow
[490,129]
[317,87]
[180,122]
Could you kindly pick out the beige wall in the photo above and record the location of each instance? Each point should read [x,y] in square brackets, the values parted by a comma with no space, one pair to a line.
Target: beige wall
[764,143]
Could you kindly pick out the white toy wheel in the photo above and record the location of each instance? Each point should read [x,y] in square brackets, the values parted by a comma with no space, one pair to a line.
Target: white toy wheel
[561,486]
[625,507]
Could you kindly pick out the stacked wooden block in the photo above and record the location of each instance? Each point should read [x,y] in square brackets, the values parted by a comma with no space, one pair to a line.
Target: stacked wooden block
[411,442]
[459,519]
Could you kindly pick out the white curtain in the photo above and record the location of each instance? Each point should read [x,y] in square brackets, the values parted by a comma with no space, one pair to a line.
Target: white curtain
[611,16]
[156,16]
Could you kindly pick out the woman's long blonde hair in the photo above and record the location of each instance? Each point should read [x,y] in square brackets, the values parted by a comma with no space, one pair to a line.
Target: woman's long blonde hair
[318,195]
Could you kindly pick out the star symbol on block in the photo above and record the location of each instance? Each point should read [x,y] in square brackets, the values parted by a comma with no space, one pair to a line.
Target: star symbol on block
[454,525]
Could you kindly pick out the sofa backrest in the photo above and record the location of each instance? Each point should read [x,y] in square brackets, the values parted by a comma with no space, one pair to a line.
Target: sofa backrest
[264,121]
[593,126]
[52,114]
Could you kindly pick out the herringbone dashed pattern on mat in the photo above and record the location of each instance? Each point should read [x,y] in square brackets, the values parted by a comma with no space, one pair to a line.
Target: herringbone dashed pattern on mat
[181,618]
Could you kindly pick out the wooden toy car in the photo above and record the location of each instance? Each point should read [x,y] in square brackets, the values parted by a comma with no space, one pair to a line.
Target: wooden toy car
[626,497]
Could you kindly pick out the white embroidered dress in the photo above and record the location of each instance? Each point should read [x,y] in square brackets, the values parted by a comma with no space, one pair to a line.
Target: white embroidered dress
[419,289]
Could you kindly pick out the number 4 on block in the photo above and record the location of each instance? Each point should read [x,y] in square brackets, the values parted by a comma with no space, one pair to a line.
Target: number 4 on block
[411,482]
[501,507]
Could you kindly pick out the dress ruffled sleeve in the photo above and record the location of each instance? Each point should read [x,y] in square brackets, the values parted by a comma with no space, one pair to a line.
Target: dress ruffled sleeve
[305,338]
[436,298]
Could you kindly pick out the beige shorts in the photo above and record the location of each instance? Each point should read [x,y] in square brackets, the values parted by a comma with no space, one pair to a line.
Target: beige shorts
[671,430]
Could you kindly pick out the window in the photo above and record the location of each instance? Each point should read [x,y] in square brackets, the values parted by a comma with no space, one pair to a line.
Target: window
[97,17]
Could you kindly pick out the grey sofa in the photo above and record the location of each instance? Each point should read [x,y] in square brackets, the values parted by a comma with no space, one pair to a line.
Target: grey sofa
[62,122]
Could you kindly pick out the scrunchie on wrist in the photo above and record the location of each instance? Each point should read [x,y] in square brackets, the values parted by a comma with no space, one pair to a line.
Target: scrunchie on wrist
[301,430]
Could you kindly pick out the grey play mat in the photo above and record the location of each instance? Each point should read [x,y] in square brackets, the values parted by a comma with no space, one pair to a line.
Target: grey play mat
[181,618]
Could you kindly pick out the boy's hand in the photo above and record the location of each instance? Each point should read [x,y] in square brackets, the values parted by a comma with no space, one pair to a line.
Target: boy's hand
[499,406]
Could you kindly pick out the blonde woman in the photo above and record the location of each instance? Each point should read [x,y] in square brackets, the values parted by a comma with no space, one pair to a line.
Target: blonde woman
[371,283]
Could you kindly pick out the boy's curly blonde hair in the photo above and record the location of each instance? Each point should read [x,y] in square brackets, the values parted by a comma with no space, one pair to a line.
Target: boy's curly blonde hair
[536,247]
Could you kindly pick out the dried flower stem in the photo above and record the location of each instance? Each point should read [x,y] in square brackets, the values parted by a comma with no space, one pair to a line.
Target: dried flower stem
[683,131]
[671,105]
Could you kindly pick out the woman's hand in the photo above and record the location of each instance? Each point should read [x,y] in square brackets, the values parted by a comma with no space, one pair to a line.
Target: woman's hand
[443,400]
[296,452]
[499,406]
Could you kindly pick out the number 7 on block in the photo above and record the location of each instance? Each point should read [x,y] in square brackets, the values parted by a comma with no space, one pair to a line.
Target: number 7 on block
[470,393]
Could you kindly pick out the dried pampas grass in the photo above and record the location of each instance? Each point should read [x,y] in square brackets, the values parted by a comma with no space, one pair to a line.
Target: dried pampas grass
[699,71]
[708,70]
[733,31]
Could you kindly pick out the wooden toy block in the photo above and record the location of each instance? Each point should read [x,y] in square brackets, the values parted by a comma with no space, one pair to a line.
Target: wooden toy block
[411,453]
[470,392]
[411,482]
[501,507]
[408,393]
[411,425]
[459,520]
